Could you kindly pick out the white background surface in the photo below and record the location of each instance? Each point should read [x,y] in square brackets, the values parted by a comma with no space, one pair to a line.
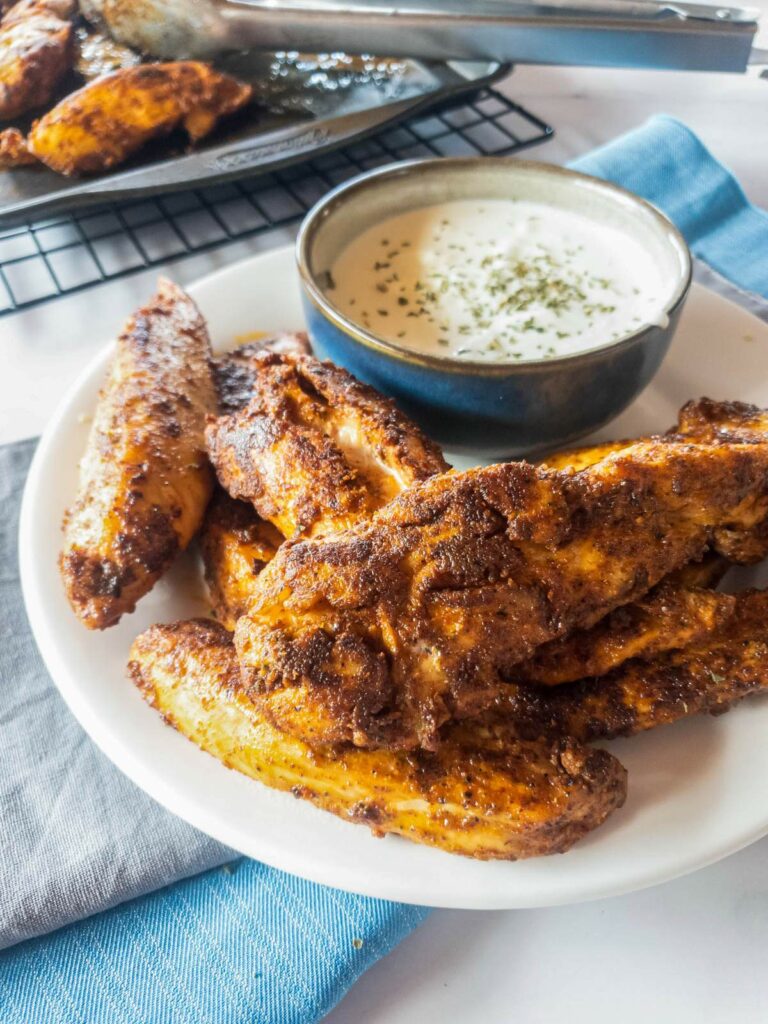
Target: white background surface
[693,950]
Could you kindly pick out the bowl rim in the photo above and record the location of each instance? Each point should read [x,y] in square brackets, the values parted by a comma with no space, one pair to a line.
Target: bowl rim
[337,196]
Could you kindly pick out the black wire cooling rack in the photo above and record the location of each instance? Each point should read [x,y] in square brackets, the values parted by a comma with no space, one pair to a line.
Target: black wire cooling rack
[69,253]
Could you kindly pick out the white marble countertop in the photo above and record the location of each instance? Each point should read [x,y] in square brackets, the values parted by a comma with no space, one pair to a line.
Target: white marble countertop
[689,951]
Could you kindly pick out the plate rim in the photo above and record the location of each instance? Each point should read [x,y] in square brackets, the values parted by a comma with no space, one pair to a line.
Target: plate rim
[171,796]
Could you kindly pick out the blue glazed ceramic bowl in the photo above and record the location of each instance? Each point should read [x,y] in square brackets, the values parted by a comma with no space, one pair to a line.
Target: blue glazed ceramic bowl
[498,409]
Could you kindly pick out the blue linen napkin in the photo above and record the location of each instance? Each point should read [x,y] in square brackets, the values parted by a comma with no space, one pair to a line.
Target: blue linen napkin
[664,162]
[247,943]
[242,944]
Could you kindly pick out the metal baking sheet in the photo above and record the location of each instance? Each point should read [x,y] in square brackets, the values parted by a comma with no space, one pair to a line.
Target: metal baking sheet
[73,251]
[305,105]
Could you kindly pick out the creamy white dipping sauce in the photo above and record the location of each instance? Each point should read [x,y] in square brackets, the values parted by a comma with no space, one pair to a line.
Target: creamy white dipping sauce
[496,280]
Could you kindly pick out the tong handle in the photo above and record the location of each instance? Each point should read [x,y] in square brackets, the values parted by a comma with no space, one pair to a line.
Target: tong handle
[448,11]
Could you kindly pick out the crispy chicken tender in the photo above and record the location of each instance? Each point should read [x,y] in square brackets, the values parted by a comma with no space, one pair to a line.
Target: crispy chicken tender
[102,124]
[162,28]
[709,421]
[13,149]
[235,546]
[145,480]
[576,459]
[36,50]
[315,450]
[380,634]
[702,419]
[235,372]
[708,676]
[489,796]
[236,543]
[675,613]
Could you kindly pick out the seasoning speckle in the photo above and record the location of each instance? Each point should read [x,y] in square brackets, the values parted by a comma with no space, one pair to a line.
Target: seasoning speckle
[502,281]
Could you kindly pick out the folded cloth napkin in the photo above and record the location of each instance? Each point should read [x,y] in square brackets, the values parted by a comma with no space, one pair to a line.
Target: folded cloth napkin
[77,837]
[664,162]
[241,943]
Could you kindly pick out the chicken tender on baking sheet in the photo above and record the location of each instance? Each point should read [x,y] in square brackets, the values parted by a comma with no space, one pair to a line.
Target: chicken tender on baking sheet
[37,48]
[673,614]
[145,479]
[708,676]
[315,450]
[235,546]
[161,28]
[13,149]
[380,634]
[492,797]
[102,124]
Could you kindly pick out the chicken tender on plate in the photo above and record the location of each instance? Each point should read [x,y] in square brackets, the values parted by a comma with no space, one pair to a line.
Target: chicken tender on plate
[675,613]
[315,450]
[708,676]
[489,796]
[235,545]
[701,419]
[236,371]
[380,634]
[145,479]
[710,421]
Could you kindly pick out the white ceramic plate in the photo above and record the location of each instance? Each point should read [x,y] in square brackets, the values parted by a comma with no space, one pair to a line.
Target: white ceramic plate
[698,790]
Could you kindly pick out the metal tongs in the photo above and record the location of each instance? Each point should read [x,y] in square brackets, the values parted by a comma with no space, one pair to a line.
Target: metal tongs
[609,33]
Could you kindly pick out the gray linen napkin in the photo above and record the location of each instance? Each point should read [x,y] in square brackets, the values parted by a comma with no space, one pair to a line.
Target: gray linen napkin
[76,836]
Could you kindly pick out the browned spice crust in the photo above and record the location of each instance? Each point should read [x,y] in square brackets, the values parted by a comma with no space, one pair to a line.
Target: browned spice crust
[674,614]
[102,124]
[709,676]
[145,479]
[315,450]
[382,633]
[37,48]
[235,372]
[486,793]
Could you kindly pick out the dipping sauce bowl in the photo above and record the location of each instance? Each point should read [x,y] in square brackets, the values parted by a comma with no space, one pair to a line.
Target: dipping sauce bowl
[494,409]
